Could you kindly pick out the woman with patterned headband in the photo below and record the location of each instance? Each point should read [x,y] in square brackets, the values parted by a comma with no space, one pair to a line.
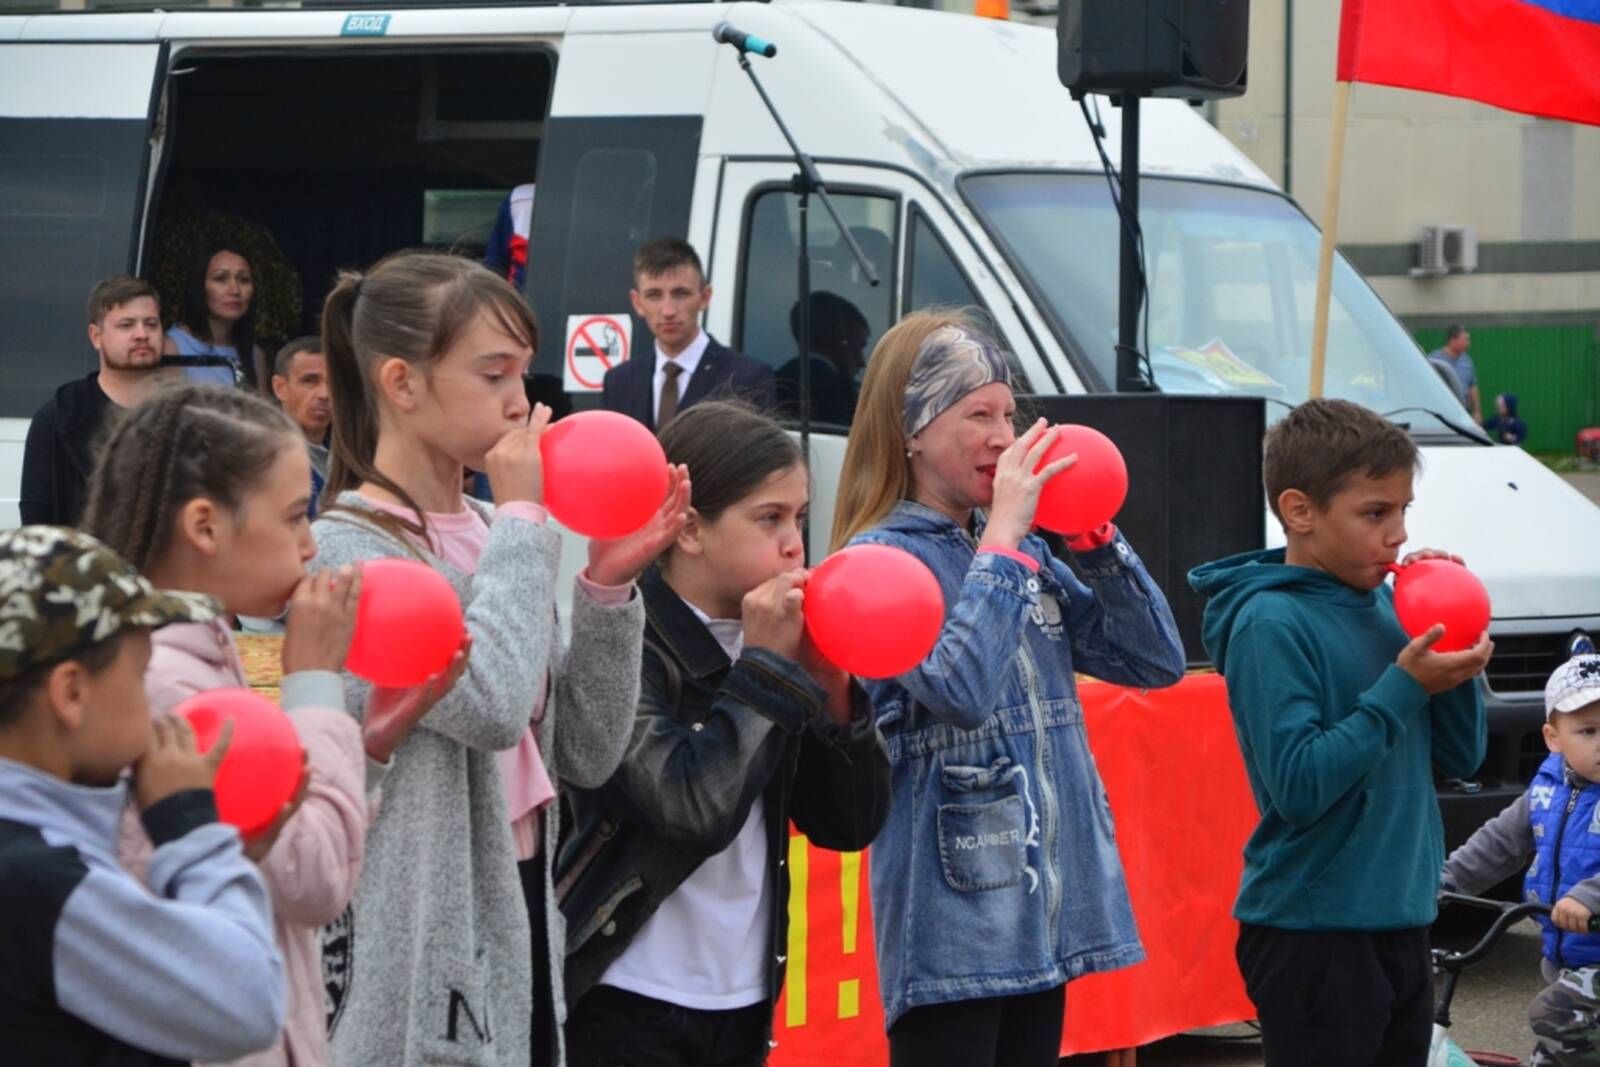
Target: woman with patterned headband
[996,879]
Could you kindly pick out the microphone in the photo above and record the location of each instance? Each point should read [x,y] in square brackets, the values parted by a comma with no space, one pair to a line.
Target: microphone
[724,33]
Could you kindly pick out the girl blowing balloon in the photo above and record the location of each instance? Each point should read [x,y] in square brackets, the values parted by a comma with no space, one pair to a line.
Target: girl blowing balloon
[205,489]
[673,879]
[435,963]
[996,879]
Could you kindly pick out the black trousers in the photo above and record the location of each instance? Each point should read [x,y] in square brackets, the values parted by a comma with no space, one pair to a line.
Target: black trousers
[544,1005]
[1016,1031]
[1349,998]
[612,1027]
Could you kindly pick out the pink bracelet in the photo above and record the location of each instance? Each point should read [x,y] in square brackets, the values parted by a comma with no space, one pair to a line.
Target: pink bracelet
[1014,554]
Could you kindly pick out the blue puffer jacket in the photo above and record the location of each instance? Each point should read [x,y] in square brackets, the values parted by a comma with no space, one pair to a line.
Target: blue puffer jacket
[997,871]
[1564,814]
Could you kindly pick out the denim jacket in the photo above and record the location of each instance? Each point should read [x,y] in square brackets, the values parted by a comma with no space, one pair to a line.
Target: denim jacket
[709,738]
[997,872]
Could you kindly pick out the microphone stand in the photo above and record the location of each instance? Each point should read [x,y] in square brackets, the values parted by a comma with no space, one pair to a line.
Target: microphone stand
[805,182]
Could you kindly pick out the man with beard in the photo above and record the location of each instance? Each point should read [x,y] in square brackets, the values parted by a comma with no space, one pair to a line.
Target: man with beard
[125,328]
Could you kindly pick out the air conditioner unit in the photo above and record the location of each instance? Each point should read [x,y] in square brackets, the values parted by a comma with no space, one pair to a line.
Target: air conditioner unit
[1446,250]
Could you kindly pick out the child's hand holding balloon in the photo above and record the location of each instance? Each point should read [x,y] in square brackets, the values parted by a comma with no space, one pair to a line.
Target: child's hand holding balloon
[391,713]
[1445,609]
[1440,672]
[257,846]
[774,616]
[322,620]
[173,762]
[621,560]
[515,466]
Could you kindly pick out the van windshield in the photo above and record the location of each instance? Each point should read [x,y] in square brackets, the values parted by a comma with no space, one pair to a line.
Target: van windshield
[1232,274]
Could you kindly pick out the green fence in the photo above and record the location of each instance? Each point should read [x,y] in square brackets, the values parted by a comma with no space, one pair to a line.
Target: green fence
[1553,370]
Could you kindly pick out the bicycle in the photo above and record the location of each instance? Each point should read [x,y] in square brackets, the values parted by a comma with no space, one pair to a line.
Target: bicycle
[1449,964]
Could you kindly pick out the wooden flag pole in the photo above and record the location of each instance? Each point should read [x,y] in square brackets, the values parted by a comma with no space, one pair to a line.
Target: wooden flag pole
[1330,237]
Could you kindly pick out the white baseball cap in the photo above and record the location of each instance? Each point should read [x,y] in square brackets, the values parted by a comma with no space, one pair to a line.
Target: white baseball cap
[1575,684]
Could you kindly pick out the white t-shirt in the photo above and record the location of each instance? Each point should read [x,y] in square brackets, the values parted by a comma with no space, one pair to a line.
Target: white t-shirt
[706,946]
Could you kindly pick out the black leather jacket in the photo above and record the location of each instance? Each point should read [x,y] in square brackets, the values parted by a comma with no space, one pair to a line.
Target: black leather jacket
[709,738]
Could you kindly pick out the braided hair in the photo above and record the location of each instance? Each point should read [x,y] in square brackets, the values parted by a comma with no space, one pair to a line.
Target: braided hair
[182,444]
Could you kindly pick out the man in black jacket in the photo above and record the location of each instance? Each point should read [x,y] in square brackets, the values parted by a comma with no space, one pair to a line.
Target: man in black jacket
[125,329]
[687,365]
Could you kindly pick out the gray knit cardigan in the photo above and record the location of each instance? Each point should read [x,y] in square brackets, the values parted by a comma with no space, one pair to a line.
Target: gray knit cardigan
[431,964]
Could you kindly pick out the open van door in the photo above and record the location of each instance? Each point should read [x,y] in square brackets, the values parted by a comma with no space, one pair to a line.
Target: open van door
[617,169]
[75,139]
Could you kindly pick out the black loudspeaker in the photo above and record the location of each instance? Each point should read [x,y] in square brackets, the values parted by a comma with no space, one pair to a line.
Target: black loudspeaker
[1194,483]
[1192,49]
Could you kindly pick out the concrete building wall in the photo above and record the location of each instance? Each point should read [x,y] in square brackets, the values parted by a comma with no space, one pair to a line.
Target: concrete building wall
[1530,187]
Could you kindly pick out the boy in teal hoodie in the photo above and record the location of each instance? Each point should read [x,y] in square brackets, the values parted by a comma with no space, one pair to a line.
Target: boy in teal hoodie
[1342,722]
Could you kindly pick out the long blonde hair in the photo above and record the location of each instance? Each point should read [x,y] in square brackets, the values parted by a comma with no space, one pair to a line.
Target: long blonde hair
[877,473]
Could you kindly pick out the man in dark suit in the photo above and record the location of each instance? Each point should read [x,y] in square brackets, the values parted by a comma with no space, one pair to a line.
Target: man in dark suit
[687,366]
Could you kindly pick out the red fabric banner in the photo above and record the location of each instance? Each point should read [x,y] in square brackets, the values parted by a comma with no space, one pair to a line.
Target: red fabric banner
[1183,810]
[1539,57]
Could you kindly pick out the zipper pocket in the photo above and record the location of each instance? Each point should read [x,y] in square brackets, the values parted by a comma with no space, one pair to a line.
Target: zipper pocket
[584,859]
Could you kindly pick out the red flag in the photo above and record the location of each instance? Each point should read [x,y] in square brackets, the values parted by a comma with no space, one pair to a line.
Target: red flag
[1540,57]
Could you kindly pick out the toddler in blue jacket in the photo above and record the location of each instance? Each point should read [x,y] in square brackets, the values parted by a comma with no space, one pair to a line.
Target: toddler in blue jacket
[1556,824]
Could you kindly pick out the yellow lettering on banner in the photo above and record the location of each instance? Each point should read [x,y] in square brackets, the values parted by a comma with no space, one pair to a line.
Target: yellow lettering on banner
[850,898]
[799,885]
[850,998]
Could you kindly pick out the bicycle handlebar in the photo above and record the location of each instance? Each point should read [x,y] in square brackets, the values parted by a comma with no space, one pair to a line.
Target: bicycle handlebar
[1509,915]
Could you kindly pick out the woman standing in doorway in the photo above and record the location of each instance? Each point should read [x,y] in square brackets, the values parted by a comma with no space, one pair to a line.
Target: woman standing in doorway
[215,339]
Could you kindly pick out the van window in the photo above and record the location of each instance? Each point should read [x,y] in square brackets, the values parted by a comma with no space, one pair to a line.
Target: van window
[932,277]
[1232,276]
[848,315]
[73,154]
[607,185]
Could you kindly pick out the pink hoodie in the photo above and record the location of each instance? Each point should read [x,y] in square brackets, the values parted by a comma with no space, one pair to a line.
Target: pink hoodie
[312,869]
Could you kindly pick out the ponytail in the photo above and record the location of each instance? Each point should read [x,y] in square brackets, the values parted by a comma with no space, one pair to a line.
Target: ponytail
[354,439]
[410,306]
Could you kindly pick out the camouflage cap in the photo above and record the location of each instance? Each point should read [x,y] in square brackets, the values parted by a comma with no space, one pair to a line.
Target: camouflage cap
[61,592]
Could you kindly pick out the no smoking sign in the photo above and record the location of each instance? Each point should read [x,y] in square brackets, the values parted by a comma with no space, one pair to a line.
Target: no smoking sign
[595,344]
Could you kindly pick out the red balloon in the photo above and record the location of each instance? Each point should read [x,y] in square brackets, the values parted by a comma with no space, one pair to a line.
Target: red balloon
[1088,494]
[605,474]
[873,610]
[408,624]
[1431,591]
[261,770]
